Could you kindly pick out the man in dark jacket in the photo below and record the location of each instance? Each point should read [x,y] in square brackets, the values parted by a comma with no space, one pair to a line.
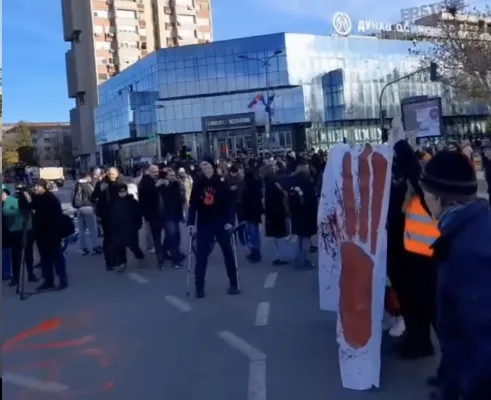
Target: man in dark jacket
[486,163]
[105,192]
[124,222]
[151,205]
[463,255]
[251,210]
[211,209]
[47,227]
[173,195]
[87,222]
[303,208]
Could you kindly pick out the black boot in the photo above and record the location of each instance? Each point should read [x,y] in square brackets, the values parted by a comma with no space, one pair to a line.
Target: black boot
[46,285]
[32,278]
[63,283]
[13,282]
[254,257]
[233,290]
[200,294]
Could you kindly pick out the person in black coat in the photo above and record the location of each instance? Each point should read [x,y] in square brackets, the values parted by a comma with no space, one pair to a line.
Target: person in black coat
[486,164]
[151,204]
[303,207]
[103,196]
[47,228]
[124,222]
[276,215]
[251,210]
[173,195]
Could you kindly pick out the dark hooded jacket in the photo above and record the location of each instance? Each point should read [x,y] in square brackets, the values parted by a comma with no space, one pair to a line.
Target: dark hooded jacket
[463,255]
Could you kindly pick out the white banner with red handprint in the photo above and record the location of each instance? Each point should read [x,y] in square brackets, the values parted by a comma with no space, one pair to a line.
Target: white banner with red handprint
[352,255]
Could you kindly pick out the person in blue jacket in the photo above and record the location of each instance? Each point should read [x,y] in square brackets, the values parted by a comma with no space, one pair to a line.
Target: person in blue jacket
[211,209]
[463,255]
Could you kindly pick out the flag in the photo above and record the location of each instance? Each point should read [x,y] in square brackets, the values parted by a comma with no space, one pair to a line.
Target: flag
[258,98]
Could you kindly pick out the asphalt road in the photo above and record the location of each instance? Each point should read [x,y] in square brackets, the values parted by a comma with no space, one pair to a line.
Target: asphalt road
[135,335]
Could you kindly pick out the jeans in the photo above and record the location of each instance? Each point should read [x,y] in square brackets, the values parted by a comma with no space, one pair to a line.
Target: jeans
[87,225]
[172,240]
[283,249]
[6,264]
[253,236]
[301,259]
[156,232]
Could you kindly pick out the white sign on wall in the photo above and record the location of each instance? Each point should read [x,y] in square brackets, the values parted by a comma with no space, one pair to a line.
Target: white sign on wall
[344,26]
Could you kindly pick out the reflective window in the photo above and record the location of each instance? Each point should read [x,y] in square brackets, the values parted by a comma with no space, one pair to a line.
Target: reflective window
[332,82]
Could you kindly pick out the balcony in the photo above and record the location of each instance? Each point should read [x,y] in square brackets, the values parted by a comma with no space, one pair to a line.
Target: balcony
[126,5]
[72,22]
[76,70]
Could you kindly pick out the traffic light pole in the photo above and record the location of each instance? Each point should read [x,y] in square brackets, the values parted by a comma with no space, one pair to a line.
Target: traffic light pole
[433,77]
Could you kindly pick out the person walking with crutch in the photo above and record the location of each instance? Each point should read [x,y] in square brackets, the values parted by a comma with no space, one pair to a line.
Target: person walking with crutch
[210,218]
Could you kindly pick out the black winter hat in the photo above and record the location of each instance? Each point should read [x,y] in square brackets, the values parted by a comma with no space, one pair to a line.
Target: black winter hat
[210,161]
[450,175]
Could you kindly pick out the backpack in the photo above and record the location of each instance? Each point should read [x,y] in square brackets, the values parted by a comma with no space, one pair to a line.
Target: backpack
[67,227]
[77,196]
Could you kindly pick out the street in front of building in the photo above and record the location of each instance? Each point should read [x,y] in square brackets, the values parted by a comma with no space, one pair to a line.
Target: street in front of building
[125,336]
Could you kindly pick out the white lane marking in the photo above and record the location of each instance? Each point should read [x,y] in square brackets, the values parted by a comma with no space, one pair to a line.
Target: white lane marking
[137,277]
[257,381]
[262,313]
[240,344]
[181,305]
[270,281]
[35,384]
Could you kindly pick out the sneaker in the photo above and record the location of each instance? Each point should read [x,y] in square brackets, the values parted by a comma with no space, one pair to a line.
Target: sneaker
[85,252]
[233,290]
[398,327]
[177,266]
[161,266]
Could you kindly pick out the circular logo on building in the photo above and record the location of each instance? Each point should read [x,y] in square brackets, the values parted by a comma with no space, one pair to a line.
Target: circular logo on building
[341,23]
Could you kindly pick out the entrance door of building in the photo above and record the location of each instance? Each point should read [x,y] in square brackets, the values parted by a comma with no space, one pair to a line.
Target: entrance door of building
[230,146]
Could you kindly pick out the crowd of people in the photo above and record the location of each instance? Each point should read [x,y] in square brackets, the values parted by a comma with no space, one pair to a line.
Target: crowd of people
[439,236]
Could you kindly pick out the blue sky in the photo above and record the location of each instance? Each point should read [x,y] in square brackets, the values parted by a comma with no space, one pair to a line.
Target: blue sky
[34,79]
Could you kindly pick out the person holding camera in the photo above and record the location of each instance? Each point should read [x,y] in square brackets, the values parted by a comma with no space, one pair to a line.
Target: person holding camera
[47,220]
[18,223]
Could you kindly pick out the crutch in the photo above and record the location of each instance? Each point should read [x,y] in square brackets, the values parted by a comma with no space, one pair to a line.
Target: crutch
[192,236]
[234,250]
[188,273]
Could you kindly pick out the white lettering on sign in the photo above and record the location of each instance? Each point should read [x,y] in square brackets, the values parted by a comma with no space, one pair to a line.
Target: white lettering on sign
[414,13]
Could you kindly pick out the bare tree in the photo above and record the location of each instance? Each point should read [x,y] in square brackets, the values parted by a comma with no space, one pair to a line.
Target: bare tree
[462,50]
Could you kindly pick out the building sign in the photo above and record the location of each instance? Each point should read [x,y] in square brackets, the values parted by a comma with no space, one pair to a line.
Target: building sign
[344,26]
[413,13]
[224,122]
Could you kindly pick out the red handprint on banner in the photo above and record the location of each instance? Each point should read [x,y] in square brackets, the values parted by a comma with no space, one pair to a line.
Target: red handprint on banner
[359,243]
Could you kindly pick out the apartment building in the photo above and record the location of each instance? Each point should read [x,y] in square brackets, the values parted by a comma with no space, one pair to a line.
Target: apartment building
[107,36]
[51,140]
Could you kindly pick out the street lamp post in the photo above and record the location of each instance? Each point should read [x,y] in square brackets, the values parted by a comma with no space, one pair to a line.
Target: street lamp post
[266,65]
[432,68]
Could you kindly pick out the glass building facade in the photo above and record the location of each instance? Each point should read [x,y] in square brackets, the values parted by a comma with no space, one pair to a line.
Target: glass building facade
[325,88]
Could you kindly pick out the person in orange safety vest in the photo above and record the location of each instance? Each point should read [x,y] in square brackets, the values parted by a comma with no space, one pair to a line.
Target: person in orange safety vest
[417,296]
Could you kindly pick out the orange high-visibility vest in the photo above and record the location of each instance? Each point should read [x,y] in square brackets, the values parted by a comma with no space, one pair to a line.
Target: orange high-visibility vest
[421,230]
